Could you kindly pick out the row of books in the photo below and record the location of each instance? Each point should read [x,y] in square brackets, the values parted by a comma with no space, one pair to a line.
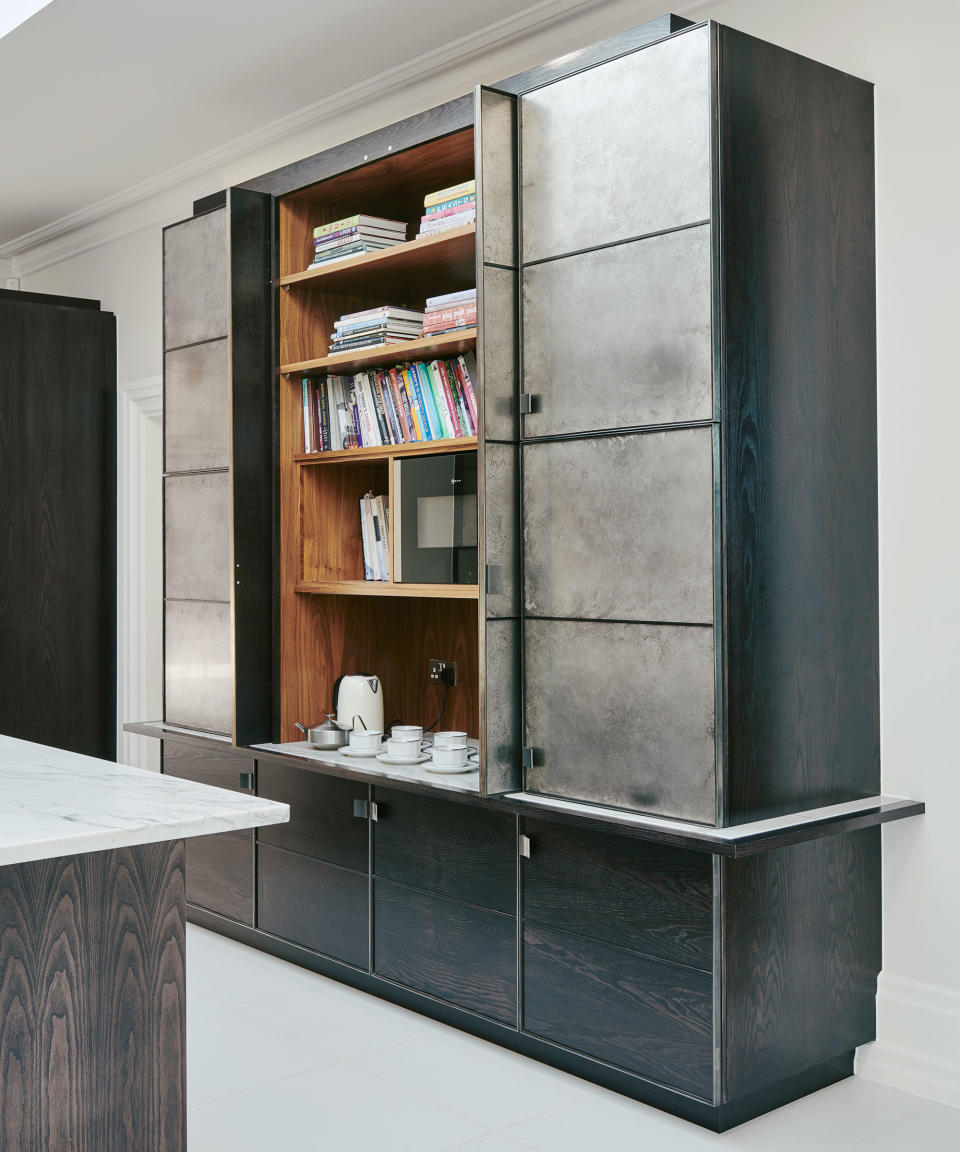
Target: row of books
[450,312]
[373,326]
[374,530]
[407,404]
[354,235]
[451,207]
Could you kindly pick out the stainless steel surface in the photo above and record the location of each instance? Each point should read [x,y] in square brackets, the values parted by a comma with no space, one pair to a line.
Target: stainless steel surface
[196,389]
[325,737]
[619,150]
[502,680]
[198,670]
[197,536]
[622,715]
[195,280]
[496,354]
[620,527]
[497,186]
[634,321]
[501,527]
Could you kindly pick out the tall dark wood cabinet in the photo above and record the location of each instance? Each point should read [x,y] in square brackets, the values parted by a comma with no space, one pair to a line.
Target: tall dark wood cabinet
[58,523]
[666,875]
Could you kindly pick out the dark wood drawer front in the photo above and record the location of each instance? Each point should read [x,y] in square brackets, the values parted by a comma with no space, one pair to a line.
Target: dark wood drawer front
[649,898]
[219,767]
[641,1015]
[322,823]
[464,955]
[448,849]
[315,904]
[220,874]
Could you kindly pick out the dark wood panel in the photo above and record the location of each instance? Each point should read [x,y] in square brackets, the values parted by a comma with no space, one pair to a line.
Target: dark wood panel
[322,823]
[315,904]
[466,956]
[58,524]
[92,1002]
[218,766]
[452,850]
[642,1015]
[652,899]
[802,932]
[220,874]
[800,443]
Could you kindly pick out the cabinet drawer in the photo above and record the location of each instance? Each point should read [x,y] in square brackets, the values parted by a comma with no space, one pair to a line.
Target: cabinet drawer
[464,955]
[644,1016]
[649,898]
[322,823]
[219,767]
[313,903]
[448,849]
[220,874]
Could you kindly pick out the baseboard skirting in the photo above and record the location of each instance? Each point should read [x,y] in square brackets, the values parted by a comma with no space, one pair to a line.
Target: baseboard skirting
[918,1039]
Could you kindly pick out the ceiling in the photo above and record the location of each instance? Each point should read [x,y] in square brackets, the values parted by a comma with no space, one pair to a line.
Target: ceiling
[101,95]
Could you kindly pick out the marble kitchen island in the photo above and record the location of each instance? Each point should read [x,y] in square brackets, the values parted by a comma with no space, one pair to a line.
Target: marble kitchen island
[92,947]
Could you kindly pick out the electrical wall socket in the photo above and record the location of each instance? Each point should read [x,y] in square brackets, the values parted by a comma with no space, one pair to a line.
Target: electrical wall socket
[442,672]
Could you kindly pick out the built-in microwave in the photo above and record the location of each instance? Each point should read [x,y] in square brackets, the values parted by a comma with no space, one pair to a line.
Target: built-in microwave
[435,519]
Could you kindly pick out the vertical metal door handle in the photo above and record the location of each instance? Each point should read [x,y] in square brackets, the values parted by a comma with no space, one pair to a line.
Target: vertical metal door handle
[247,780]
[373,811]
[525,847]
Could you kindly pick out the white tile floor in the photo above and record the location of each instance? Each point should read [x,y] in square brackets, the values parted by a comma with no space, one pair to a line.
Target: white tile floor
[282,1060]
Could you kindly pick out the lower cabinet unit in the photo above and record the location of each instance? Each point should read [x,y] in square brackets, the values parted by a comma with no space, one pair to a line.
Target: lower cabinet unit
[220,874]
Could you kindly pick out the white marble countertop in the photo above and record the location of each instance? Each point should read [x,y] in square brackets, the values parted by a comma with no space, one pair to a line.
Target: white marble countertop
[57,803]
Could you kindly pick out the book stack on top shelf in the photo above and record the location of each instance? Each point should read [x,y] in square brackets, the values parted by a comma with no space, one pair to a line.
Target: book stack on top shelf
[375,326]
[407,404]
[374,530]
[354,235]
[450,312]
[451,207]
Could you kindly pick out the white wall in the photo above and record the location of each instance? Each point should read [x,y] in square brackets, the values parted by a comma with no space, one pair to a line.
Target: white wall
[908,51]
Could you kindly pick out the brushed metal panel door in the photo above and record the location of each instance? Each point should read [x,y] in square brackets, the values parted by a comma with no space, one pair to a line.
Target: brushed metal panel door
[623,715]
[501,770]
[501,529]
[619,150]
[195,280]
[198,666]
[620,527]
[196,417]
[497,354]
[197,536]
[495,146]
[620,337]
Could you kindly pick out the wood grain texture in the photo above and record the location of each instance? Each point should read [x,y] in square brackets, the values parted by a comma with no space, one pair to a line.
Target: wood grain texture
[454,850]
[58,525]
[650,1018]
[315,904]
[331,542]
[802,949]
[213,764]
[652,899]
[220,874]
[92,1003]
[322,823]
[799,440]
[463,955]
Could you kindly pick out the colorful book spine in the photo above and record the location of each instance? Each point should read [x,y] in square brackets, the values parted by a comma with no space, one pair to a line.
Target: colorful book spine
[433,412]
[379,413]
[455,202]
[415,411]
[463,316]
[307,415]
[468,392]
[365,537]
[383,538]
[320,397]
[466,420]
[355,410]
[436,391]
[438,216]
[403,407]
[425,421]
[440,369]
[368,420]
[464,188]
[386,396]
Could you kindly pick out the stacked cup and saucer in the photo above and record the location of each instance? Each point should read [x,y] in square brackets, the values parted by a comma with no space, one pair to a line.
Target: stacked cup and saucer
[452,754]
[365,743]
[405,745]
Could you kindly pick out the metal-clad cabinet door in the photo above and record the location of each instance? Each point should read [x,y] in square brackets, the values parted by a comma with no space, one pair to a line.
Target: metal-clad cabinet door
[618,150]
[196,408]
[197,536]
[623,715]
[195,280]
[501,771]
[198,667]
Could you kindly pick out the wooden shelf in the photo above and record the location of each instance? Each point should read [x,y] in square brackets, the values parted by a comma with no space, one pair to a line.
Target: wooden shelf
[432,348]
[388,451]
[405,266]
[388,588]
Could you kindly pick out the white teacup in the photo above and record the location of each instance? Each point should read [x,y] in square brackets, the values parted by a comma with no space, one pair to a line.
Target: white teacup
[403,749]
[365,740]
[407,732]
[449,739]
[450,755]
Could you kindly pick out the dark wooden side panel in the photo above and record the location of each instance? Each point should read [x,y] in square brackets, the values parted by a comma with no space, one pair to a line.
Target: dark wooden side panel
[220,874]
[92,1003]
[464,955]
[799,432]
[315,904]
[221,767]
[647,897]
[58,486]
[455,850]
[647,1017]
[802,932]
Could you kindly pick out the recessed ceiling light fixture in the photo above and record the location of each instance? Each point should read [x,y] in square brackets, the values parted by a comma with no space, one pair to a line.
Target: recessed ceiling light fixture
[14,12]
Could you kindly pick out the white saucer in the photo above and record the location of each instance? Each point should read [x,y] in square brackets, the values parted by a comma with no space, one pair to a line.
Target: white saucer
[470,766]
[386,758]
[346,750]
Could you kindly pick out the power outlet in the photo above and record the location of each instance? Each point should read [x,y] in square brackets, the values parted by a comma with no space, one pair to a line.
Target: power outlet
[442,672]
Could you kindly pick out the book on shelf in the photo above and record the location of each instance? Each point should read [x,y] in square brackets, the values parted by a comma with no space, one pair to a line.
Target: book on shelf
[450,313]
[374,326]
[451,207]
[360,220]
[375,536]
[355,235]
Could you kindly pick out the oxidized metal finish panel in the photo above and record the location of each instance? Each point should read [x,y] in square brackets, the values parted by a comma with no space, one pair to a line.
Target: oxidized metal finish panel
[496,354]
[196,408]
[502,692]
[501,479]
[622,714]
[635,320]
[198,669]
[619,150]
[620,527]
[197,536]
[195,280]
[497,177]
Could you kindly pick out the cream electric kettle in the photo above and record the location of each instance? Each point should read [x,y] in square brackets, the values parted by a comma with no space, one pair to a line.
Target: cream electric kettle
[358,701]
